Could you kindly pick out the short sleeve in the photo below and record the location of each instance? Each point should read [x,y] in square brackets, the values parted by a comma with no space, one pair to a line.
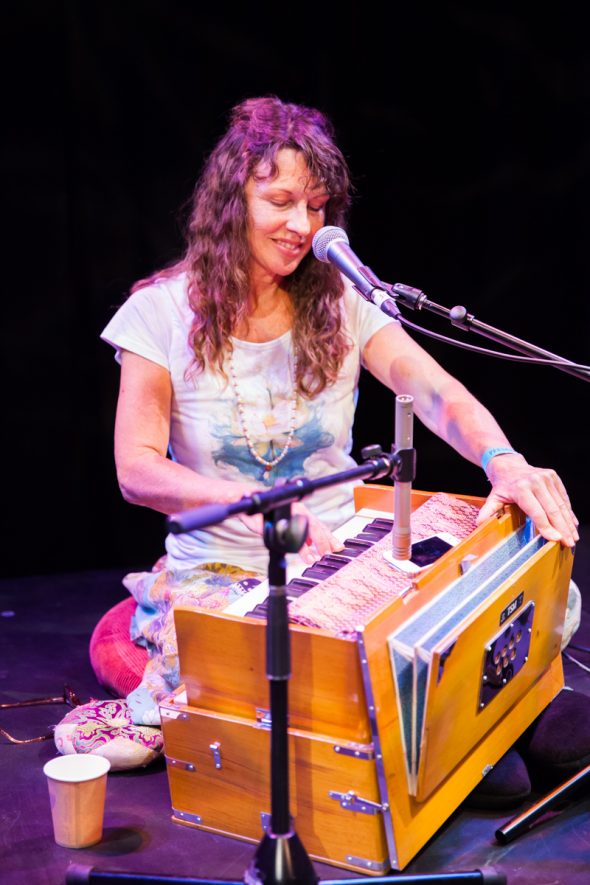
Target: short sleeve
[143,325]
[364,319]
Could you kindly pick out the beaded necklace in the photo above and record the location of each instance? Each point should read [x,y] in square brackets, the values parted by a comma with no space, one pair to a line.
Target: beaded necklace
[268,465]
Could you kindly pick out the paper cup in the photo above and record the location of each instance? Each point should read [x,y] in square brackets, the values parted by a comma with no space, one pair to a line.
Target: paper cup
[77,788]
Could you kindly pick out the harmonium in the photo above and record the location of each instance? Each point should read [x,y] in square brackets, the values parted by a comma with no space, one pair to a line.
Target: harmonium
[405,689]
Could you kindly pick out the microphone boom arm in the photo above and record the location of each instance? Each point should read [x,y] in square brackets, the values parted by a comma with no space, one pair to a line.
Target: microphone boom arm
[331,245]
[459,317]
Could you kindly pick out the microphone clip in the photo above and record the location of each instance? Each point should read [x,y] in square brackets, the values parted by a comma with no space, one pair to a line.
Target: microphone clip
[404,467]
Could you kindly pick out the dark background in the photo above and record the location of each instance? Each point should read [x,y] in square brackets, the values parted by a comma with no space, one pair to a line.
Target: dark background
[467,132]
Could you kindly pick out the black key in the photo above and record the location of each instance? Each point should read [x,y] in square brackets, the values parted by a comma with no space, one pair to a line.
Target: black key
[376,530]
[369,536]
[334,560]
[352,552]
[298,586]
[380,523]
[360,543]
[319,571]
[259,611]
[372,536]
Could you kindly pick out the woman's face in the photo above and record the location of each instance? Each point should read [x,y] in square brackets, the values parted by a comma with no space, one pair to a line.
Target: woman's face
[284,213]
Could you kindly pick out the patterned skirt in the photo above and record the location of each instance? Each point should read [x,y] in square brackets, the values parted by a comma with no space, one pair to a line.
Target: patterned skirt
[212,586]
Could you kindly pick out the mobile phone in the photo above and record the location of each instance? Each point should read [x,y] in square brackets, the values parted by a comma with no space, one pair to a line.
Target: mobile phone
[424,553]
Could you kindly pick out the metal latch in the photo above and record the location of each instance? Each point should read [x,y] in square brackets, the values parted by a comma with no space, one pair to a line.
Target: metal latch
[263,718]
[215,749]
[467,562]
[359,751]
[351,802]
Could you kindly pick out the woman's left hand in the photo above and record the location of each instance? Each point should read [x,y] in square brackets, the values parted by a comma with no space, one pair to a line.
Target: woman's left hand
[539,492]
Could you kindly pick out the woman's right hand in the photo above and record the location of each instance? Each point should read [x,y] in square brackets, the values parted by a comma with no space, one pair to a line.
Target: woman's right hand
[319,541]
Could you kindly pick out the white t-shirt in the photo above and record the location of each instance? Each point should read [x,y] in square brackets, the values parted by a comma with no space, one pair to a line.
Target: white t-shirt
[205,430]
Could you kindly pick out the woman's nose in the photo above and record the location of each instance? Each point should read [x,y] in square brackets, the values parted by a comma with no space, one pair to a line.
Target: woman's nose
[298,220]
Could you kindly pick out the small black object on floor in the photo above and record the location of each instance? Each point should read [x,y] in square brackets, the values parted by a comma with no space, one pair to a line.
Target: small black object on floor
[45,627]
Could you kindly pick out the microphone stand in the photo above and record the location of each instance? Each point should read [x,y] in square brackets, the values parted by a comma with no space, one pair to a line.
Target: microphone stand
[523,823]
[281,858]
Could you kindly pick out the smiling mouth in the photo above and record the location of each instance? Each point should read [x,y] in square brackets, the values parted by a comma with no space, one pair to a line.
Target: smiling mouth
[289,246]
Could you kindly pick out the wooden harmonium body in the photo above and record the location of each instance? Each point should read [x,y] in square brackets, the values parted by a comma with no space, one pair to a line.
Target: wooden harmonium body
[392,722]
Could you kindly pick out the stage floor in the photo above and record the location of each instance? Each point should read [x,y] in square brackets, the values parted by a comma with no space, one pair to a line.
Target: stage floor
[45,626]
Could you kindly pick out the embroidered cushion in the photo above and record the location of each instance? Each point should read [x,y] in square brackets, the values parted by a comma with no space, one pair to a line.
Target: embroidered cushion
[104,728]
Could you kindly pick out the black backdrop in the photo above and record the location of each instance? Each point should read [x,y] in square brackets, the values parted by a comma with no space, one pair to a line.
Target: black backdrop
[467,131]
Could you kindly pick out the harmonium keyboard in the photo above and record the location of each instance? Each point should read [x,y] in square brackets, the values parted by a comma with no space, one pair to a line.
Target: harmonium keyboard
[405,689]
[357,535]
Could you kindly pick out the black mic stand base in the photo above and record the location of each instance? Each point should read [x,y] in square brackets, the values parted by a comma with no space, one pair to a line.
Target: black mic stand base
[281,860]
[522,823]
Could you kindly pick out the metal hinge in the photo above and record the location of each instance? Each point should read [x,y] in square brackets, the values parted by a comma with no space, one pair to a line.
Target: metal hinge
[374,865]
[181,763]
[190,818]
[359,751]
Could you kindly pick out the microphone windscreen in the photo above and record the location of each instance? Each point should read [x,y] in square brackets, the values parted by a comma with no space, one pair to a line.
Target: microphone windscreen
[324,238]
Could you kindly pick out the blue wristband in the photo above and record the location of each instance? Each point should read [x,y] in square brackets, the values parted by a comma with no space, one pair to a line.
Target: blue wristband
[491,453]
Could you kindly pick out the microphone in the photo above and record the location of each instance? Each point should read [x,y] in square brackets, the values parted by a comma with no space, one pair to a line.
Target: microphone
[330,245]
[402,491]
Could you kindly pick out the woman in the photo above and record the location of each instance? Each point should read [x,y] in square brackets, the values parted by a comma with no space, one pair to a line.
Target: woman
[242,360]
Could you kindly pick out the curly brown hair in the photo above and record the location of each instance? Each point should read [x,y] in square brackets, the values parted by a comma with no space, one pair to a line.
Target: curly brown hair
[217,258]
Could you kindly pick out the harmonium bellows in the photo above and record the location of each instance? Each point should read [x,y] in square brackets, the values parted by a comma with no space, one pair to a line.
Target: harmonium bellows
[405,690]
